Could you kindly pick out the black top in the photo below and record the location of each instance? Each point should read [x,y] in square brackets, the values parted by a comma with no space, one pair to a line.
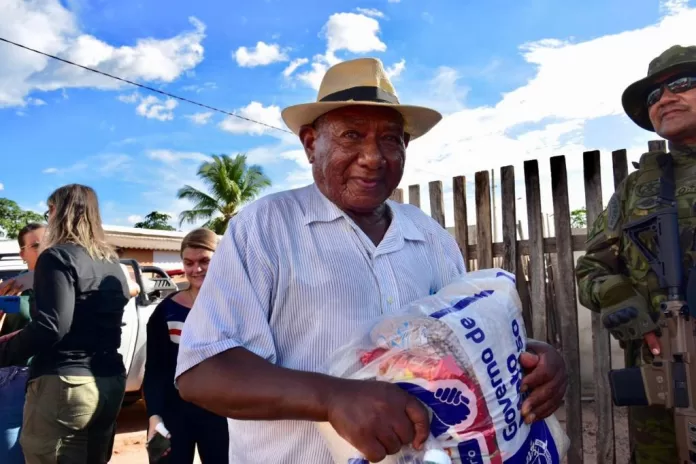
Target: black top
[76,324]
[163,334]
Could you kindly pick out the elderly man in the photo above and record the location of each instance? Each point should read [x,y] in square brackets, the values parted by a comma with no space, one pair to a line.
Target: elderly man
[614,278]
[298,271]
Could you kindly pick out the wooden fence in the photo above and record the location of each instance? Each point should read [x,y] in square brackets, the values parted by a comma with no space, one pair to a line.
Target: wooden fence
[550,313]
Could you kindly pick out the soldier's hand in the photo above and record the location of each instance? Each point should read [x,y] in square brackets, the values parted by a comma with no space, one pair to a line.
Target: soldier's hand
[625,313]
[651,339]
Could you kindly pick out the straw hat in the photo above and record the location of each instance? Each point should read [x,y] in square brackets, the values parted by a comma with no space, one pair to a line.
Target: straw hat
[359,82]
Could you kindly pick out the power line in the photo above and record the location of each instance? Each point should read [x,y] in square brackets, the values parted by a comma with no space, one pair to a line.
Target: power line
[151,89]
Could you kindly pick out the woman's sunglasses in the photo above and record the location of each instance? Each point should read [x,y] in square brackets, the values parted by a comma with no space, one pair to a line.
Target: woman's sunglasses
[678,85]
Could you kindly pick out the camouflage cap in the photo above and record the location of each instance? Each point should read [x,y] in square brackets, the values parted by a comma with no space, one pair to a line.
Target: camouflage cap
[674,60]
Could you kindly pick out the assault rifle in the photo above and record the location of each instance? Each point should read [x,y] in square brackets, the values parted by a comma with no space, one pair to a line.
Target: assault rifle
[670,380]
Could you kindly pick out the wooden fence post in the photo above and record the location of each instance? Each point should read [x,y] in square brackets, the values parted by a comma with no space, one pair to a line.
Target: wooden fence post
[567,306]
[657,145]
[509,213]
[397,195]
[619,166]
[437,203]
[601,344]
[620,171]
[484,235]
[461,222]
[537,274]
[512,260]
[414,195]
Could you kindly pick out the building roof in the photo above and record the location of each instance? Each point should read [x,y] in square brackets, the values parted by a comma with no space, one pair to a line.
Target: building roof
[144,239]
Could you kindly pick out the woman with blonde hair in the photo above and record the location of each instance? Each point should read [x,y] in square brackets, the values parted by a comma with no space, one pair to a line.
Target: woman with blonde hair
[187,425]
[77,377]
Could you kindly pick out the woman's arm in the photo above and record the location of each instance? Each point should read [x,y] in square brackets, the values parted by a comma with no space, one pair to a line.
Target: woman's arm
[54,292]
[159,370]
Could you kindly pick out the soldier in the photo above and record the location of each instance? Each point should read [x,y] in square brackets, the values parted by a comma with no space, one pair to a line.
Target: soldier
[614,278]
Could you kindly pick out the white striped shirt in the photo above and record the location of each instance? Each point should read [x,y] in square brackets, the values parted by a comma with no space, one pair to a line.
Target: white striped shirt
[291,280]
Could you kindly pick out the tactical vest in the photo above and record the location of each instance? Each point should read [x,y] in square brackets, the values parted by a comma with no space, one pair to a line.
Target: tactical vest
[641,199]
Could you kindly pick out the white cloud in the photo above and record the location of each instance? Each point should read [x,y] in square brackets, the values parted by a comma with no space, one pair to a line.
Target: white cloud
[2,186]
[294,64]
[427,17]
[394,1]
[375,13]
[199,88]
[200,118]
[36,101]
[76,167]
[396,69]
[132,98]
[170,156]
[444,93]
[351,32]
[550,115]
[313,77]
[558,111]
[48,26]
[343,32]
[152,107]
[262,55]
[255,111]
[132,219]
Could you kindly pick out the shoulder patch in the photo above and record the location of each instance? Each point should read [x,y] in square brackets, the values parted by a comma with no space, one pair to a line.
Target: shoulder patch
[646,203]
[648,189]
[613,212]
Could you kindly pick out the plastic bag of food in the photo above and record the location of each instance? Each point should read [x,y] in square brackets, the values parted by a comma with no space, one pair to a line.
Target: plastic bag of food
[458,352]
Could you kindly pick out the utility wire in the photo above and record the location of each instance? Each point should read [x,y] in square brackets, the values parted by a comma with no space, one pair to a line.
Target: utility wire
[2,39]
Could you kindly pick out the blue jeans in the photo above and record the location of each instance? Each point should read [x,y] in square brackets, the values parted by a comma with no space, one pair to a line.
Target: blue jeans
[13,381]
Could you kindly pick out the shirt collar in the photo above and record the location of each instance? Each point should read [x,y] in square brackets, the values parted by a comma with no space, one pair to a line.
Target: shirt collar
[681,149]
[318,208]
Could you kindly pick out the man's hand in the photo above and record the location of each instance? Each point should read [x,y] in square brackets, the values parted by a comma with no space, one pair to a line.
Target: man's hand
[545,375]
[377,418]
[11,288]
[652,340]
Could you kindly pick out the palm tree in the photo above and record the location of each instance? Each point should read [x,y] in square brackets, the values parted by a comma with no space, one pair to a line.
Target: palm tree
[231,184]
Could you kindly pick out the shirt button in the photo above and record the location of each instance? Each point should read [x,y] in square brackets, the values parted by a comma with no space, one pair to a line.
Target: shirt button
[390,300]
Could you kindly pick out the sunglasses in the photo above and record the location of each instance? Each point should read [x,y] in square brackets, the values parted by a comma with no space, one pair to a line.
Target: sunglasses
[34,245]
[678,85]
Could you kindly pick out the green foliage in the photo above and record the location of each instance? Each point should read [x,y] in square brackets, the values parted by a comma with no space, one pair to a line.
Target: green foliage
[230,183]
[155,220]
[578,218]
[13,218]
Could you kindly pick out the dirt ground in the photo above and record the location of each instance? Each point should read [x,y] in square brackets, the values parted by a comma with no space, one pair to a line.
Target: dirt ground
[129,447]
[589,435]
[130,440]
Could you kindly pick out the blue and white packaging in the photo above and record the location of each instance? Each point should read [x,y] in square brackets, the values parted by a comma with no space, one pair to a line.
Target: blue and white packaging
[458,352]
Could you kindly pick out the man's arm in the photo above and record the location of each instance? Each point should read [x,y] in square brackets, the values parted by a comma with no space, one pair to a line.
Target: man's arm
[242,385]
[603,288]
[601,259]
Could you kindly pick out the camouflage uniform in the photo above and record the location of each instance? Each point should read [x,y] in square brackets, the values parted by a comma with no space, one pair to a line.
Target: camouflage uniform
[610,255]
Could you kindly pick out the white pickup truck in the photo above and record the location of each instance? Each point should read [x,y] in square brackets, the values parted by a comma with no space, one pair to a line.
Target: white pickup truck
[155,284]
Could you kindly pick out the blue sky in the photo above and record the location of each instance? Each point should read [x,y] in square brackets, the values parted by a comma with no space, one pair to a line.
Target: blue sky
[515,80]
